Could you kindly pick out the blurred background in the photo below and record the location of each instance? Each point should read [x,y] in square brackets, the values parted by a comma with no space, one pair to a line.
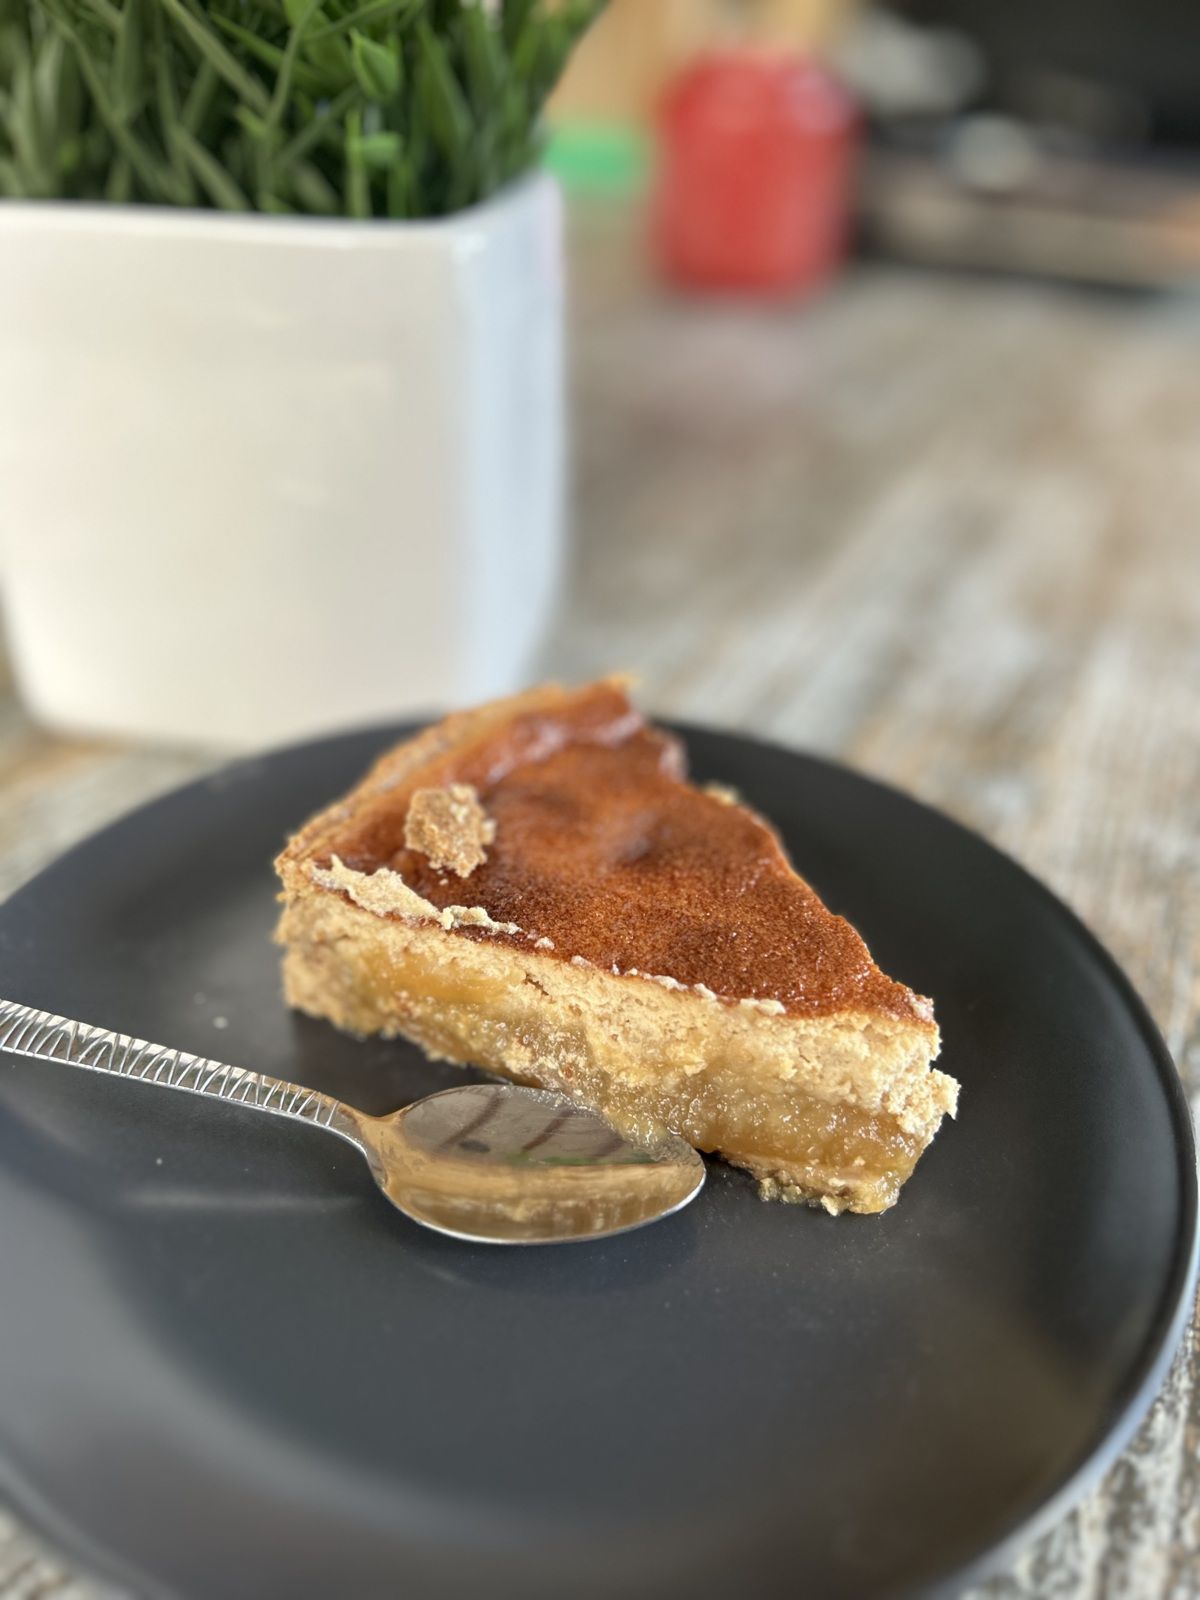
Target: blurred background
[884,377]
[1061,140]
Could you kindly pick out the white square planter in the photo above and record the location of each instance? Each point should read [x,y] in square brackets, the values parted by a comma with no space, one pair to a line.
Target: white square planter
[263,476]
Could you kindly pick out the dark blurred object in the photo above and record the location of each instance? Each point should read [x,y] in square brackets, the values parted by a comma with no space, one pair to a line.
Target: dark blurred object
[1145,52]
[1048,140]
[756,168]
[994,199]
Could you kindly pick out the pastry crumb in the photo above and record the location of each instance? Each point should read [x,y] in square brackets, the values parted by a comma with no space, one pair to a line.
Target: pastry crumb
[723,792]
[770,1008]
[450,827]
[474,917]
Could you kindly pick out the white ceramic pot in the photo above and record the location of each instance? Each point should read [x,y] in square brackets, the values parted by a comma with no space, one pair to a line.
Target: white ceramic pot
[264,476]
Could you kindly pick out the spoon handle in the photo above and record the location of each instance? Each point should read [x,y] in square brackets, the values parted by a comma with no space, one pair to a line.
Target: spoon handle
[45,1037]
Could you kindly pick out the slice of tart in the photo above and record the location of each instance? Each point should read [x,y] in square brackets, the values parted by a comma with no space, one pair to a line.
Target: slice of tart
[534,887]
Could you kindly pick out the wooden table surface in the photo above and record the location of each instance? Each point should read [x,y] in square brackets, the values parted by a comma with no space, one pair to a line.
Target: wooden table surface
[945,529]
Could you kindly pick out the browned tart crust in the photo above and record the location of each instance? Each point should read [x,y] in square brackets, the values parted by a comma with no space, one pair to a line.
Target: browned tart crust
[535,887]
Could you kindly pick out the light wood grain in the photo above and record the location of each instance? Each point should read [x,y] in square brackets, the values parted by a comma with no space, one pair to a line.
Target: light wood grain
[947,530]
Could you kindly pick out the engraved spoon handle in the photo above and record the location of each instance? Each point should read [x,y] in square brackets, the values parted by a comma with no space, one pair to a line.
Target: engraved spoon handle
[45,1037]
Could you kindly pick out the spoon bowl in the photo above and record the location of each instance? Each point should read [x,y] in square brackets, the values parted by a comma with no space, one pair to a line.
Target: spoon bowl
[509,1165]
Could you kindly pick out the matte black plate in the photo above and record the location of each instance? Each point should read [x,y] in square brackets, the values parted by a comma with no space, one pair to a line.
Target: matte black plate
[229,1369]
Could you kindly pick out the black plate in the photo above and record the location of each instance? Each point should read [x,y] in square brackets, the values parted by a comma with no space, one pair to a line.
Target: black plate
[229,1369]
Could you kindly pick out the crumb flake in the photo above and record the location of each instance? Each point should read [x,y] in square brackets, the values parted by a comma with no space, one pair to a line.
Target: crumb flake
[473,917]
[770,1008]
[450,827]
[724,793]
[384,893]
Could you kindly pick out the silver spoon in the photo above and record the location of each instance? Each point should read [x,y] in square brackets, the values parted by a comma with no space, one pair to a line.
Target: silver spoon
[487,1161]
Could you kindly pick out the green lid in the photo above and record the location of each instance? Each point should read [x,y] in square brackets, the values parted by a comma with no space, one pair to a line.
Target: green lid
[598,158]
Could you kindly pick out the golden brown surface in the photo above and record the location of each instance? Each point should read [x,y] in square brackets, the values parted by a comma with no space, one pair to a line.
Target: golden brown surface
[602,847]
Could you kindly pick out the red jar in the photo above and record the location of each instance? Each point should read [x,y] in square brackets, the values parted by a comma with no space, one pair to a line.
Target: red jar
[756,167]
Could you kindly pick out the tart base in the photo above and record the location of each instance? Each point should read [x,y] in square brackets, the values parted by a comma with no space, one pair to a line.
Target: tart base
[831,1110]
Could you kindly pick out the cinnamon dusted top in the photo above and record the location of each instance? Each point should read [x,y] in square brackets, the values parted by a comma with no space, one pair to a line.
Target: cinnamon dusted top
[602,847]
